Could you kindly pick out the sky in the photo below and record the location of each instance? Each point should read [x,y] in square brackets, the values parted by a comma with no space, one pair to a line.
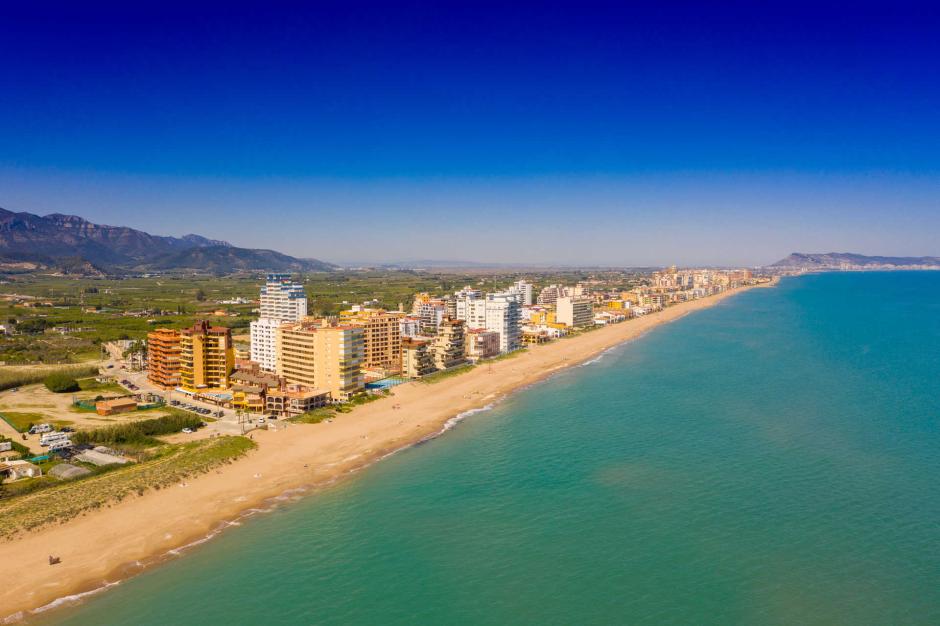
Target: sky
[628,133]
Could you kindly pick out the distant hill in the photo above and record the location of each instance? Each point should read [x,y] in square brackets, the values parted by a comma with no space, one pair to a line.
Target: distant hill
[70,243]
[848,260]
[225,259]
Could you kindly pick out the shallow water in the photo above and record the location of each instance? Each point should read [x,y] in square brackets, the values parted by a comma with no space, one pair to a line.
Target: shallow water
[771,460]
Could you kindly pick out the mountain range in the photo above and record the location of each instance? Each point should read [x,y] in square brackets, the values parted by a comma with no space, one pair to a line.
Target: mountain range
[74,245]
[848,260]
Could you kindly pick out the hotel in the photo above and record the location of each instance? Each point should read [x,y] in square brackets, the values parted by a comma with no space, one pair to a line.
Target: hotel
[318,355]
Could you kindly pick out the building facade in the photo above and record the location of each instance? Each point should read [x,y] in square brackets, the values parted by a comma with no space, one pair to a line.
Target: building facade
[575,312]
[481,344]
[318,355]
[381,337]
[282,300]
[525,290]
[416,358]
[447,347]
[163,360]
[207,357]
[504,316]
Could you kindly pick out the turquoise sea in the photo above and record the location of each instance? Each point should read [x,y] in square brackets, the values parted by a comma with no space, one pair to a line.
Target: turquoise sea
[772,460]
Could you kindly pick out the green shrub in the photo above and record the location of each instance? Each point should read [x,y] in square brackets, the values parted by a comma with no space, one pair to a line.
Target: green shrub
[61,382]
[138,434]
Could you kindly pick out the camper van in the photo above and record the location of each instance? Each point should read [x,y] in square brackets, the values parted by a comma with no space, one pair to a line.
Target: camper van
[40,428]
[50,438]
[60,445]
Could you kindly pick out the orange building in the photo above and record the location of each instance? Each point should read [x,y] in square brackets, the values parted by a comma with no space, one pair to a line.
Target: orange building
[163,358]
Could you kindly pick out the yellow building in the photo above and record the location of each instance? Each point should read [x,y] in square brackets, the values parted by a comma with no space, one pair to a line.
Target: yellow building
[319,355]
[381,337]
[207,357]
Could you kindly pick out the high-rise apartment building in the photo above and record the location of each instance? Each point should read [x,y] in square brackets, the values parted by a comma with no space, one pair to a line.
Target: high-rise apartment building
[504,316]
[381,337]
[282,300]
[526,290]
[574,311]
[207,357]
[320,355]
[163,358]
[416,358]
[447,347]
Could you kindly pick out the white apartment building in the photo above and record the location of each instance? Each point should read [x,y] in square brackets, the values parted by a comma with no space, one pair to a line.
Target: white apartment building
[463,298]
[550,294]
[282,301]
[410,326]
[527,290]
[504,316]
[574,311]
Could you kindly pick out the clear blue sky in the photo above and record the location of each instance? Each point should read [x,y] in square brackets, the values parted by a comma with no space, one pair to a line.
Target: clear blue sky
[621,133]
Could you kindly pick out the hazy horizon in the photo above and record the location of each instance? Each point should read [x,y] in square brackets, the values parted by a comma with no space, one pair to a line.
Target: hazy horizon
[620,136]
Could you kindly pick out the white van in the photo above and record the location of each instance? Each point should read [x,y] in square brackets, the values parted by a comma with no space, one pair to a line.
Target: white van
[50,438]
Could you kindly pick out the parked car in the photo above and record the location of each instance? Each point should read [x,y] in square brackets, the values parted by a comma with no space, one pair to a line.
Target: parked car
[187,430]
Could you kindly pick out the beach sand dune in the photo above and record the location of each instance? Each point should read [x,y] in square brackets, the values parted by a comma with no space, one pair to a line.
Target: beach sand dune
[108,545]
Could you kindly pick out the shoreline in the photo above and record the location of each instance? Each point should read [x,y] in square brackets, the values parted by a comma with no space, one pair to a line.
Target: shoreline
[102,548]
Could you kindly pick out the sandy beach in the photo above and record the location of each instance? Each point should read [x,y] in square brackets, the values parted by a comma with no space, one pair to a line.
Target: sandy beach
[111,544]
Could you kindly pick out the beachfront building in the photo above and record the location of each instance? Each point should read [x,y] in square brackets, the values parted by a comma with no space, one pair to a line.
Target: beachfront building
[294,400]
[481,344]
[574,311]
[318,354]
[207,357]
[497,312]
[381,337]
[249,388]
[163,360]
[416,358]
[447,347]
[504,317]
[282,300]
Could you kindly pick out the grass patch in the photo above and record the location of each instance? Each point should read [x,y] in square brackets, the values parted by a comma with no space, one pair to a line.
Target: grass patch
[21,421]
[318,415]
[90,384]
[64,501]
[440,375]
[313,417]
[505,355]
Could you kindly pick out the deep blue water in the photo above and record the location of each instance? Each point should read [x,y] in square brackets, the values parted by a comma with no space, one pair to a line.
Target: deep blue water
[771,460]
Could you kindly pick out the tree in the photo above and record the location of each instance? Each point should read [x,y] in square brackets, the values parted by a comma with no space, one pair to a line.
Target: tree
[200,295]
[60,382]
